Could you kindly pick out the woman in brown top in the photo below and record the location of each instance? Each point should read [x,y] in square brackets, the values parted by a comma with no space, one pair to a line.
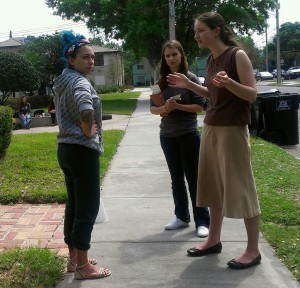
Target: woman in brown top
[225,180]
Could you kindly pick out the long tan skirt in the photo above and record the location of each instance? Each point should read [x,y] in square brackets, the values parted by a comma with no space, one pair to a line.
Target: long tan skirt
[225,178]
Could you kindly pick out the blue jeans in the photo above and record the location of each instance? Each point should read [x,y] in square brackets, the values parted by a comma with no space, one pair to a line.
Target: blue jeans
[182,154]
[25,120]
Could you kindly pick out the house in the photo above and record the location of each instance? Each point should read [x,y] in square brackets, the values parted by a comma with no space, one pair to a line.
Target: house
[143,74]
[11,44]
[201,66]
[109,67]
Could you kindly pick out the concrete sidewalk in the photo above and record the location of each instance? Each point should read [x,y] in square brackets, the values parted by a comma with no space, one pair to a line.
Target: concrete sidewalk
[133,243]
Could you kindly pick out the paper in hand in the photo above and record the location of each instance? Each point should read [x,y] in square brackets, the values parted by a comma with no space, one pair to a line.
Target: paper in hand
[155,89]
[176,97]
[156,97]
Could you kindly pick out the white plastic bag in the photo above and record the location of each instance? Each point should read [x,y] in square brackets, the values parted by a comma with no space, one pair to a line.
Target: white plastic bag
[101,217]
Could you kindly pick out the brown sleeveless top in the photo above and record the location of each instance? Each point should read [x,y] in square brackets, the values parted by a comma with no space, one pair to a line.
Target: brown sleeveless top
[225,108]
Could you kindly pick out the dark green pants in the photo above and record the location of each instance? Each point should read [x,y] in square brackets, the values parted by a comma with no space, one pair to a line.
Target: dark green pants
[81,167]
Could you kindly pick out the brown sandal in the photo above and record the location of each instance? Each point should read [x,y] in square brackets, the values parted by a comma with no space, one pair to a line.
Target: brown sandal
[71,266]
[103,272]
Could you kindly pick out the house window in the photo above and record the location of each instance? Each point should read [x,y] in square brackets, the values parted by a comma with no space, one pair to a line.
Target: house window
[99,60]
[141,78]
[140,67]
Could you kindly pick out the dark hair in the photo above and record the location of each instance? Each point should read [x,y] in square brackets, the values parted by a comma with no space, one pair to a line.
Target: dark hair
[214,20]
[72,42]
[164,68]
[21,102]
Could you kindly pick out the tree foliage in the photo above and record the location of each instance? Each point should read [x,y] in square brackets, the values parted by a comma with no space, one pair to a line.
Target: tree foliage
[144,24]
[290,37]
[252,51]
[45,53]
[16,74]
[289,44]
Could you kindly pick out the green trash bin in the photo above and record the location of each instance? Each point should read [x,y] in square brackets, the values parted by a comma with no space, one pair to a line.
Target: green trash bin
[280,118]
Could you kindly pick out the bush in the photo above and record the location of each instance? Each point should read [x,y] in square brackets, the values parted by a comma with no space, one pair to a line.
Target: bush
[39,101]
[106,116]
[13,103]
[110,89]
[16,74]
[6,114]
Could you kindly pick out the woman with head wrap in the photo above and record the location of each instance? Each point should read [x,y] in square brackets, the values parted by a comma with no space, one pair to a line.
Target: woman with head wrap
[78,113]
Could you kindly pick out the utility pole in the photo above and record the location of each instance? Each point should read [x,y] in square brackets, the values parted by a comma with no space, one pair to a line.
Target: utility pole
[267,50]
[278,43]
[172,20]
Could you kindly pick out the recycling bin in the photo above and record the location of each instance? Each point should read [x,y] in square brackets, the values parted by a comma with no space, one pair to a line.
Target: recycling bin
[279,122]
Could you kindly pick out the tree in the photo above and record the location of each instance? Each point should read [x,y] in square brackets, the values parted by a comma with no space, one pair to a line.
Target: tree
[45,53]
[289,45]
[100,41]
[16,74]
[253,52]
[143,24]
[289,42]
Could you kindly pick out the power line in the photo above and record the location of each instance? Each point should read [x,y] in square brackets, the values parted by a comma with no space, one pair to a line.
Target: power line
[42,30]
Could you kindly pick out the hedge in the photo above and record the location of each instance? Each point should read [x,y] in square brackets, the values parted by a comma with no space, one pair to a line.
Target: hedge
[6,115]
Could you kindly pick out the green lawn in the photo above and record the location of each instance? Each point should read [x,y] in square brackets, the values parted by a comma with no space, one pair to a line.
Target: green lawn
[33,156]
[115,103]
[277,176]
[119,103]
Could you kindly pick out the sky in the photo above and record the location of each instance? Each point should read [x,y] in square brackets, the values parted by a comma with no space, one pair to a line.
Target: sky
[33,17]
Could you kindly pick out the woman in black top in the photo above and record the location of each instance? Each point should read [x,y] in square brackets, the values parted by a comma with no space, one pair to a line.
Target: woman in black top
[180,139]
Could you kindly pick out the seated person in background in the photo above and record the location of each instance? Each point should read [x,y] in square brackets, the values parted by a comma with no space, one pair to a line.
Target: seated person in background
[51,110]
[24,112]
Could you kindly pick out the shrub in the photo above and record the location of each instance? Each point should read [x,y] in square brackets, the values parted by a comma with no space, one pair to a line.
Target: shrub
[6,114]
[13,103]
[110,89]
[39,101]
[16,74]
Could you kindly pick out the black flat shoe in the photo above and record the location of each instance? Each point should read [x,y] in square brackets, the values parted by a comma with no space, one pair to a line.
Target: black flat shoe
[194,252]
[238,265]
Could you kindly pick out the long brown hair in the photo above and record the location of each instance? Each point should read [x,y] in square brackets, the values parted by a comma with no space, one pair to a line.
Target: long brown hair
[164,68]
[21,101]
[214,20]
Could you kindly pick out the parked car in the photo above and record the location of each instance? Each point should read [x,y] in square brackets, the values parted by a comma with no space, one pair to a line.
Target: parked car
[293,73]
[274,73]
[264,75]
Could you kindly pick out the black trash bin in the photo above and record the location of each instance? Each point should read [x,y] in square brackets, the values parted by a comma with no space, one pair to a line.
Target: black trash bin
[257,125]
[280,118]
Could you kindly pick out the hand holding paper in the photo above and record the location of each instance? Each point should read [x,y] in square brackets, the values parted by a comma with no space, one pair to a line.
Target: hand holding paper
[176,97]
[157,97]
